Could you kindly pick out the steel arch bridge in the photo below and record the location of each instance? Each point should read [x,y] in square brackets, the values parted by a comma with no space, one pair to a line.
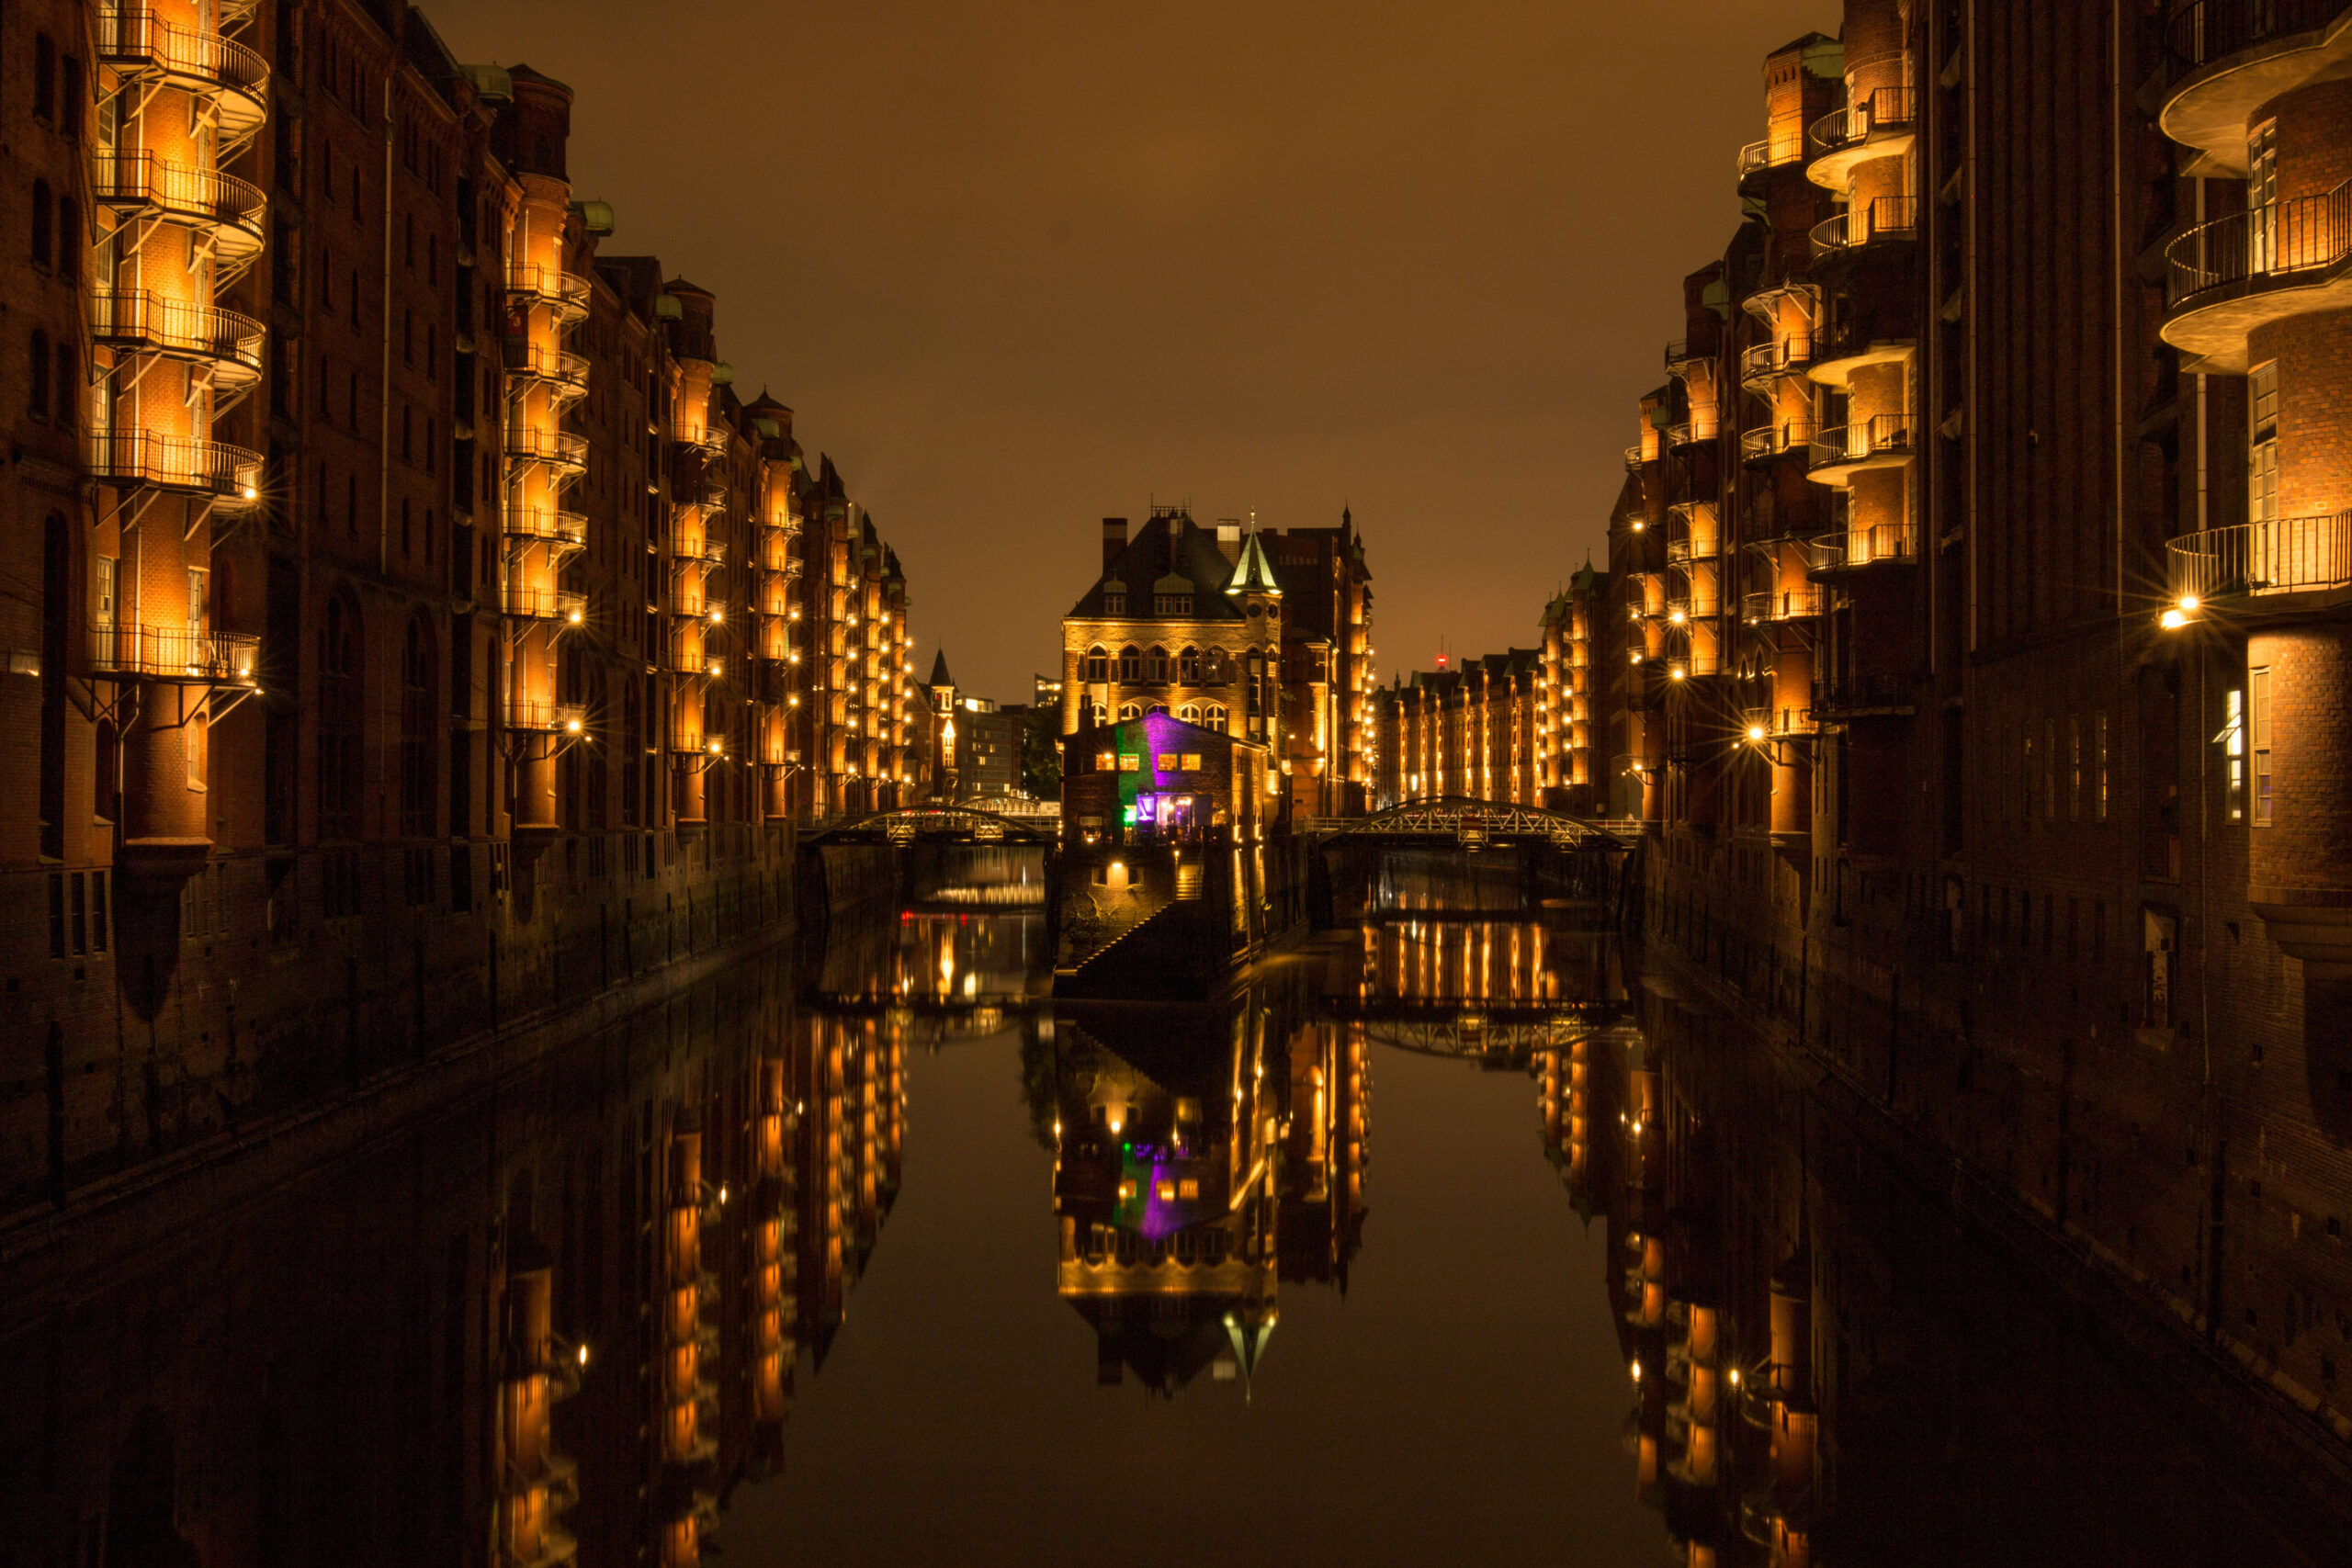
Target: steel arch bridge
[938,824]
[1459,821]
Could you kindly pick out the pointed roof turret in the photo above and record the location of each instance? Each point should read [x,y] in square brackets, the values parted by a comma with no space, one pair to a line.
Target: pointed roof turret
[939,675]
[1253,573]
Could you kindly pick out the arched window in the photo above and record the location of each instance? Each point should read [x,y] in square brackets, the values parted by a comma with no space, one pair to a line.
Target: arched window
[1155,665]
[1157,707]
[1189,713]
[1188,666]
[1220,667]
[1129,710]
[1130,665]
[417,709]
[1257,667]
[340,706]
[1216,716]
[1098,664]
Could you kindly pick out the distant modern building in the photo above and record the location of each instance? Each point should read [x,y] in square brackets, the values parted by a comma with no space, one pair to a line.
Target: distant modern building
[1263,635]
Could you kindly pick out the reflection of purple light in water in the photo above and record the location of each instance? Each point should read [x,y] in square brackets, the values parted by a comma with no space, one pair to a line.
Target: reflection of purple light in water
[1159,1220]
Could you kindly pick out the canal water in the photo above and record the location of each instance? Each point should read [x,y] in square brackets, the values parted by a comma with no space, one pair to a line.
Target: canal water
[1449,1236]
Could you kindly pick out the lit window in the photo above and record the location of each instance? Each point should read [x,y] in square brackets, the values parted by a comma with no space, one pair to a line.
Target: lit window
[1189,1189]
[1106,762]
[1126,1192]
[1192,761]
[2233,739]
[2258,722]
[1167,762]
[1165,1191]
[1130,764]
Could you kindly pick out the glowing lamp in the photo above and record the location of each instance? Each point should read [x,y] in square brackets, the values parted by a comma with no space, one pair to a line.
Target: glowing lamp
[583,1355]
[574,617]
[1638,526]
[2172,620]
[1755,732]
[1674,674]
[573,725]
[1637,1372]
[2189,602]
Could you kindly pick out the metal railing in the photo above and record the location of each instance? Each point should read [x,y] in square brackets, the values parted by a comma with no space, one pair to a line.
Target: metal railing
[547,524]
[126,649]
[233,209]
[1888,108]
[1884,218]
[1634,457]
[1856,694]
[558,367]
[706,551]
[1702,426]
[1764,359]
[174,462]
[545,717]
[1765,605]
[547,605]
[1757,156]
[2288,556]
[1882,544]
[2276,241]
[1683,352]
[566,291]
[2205,31]
[142,319]
[137,40]
[1881,435]
[558,448]
[1767,442]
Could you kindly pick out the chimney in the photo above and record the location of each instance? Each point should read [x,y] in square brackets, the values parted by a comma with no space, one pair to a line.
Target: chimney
[1114,540]
[1228,537]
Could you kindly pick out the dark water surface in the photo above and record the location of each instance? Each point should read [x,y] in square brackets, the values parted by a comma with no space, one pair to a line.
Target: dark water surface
[1434,1243]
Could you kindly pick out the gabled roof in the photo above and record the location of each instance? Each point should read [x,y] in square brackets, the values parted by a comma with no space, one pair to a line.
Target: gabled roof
[939,675]
[1168,549]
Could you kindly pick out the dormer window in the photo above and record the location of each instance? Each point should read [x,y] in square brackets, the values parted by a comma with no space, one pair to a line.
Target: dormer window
[1115,598]
[1176,605]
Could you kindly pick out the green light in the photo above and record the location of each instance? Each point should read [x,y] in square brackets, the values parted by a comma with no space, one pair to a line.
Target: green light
[1130,812]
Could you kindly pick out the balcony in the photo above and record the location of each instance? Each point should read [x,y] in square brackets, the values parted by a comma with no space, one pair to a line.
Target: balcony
[232,78]
[704,552]
[2236,274]
[547,605]
[1837,354]
[2294,555]
[1703,427]
[1886,220]
[564,373]
[567,531]
[532,716]
[1759,158]
[1880,126]
[233,213]
[1634,457]
[1686,356]
[2225,59]
[1853,697]
[565,293]
[1789,438]
[181,655]
[1772,605]
[559,449]
[208,469]
[1844,450]
[140,320]
[1760,363]
[1887,544]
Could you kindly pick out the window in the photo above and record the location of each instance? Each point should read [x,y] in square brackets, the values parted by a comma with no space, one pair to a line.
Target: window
[44,78]
[196,606]
[1115,598]
[2099,752]
[1098,664]
[1192,761]
[1189,713]
[2074,770]
[2233,742]
[1188,666]
[1128,711]
[199,750]
[1167,762]
[2262,193]
[37,383]
[2258,724]
[1215,717]
[1171,604]
[1130,665]
[102,582]
[1130,763]
[1155,665]
[2262,453]
[1106,762]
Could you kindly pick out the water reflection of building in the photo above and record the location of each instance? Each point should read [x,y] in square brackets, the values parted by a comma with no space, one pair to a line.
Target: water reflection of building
[1203,1157]
[552,1325]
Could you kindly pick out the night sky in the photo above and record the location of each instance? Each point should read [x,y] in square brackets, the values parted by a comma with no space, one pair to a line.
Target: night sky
[1021,266]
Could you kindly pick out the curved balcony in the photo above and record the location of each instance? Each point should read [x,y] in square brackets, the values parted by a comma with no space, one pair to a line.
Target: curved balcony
[694,665]
[1760,364]
[1686,356]
[1886,220]
[1635,458]
[209,470]
[547,605]
[2225,59]
[567,531]
[1880,125]
[1858,549]
[538,717]
[233,213]
[1789,438]
[139,44]
[703,552]
[1701,429]
[2249,269]
[565,293]
[562,372]
[179,655]
[1838,355]
[2292,555]
[559,449]
[1769,606]
[1758,159]
[140,320]
[1844,450]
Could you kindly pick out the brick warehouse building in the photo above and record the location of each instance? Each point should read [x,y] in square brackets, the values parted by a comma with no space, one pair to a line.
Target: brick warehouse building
[410,622]
[1984,558]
